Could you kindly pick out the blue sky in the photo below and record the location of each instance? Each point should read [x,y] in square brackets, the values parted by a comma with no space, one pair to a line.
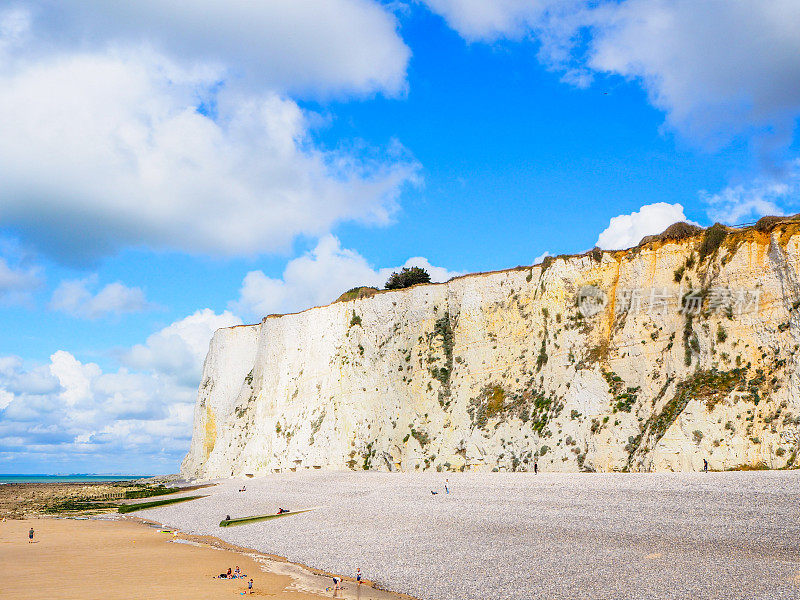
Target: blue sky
[167,171]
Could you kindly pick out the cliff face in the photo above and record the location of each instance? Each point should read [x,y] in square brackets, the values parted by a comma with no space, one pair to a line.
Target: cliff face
[491,371]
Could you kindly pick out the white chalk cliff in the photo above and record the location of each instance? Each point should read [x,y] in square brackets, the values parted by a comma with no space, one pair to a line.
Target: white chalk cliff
[497,370]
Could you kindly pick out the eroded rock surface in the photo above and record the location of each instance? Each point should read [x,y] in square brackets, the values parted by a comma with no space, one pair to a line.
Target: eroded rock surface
[496,370]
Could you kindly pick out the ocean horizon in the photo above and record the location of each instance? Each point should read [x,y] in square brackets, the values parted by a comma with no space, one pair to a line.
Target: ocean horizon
[70,478]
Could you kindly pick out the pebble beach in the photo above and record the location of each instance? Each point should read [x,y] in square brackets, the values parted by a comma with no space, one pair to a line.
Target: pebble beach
[513,535]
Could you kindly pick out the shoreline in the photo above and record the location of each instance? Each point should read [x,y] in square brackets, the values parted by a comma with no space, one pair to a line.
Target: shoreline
[274,561]
[118,557]
[517,536]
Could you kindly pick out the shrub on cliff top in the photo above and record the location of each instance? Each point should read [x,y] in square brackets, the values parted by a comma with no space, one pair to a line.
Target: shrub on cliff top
[407,277]
[712,240]
[357,293]
[765,224]
[676,231]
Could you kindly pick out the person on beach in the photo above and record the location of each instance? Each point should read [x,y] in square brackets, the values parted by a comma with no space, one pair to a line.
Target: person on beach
[250,586]
[335,584]
[236,571]
[705,466]
[358,575]
[229,573]
[535,467]
[30,536]
[446,489]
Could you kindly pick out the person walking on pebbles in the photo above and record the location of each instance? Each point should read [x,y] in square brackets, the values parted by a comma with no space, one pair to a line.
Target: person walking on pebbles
[446,484]
[358,575]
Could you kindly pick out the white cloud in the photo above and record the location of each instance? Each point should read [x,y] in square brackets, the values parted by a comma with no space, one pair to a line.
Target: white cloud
[117,137]
[179,349]
[541,257]
[326,46]
[129,145]
[626,231]
[741,203]
[717,69]
[17,283]
[478,20]
[75,378]
[70,411]
[318,278]
[75,298]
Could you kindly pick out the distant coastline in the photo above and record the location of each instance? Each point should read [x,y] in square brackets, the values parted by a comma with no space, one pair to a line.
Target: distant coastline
[72,478]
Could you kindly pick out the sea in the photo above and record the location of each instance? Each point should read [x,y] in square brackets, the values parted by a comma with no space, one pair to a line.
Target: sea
[73,478]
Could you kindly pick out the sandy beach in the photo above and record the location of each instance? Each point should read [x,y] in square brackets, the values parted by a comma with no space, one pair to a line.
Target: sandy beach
[122,559]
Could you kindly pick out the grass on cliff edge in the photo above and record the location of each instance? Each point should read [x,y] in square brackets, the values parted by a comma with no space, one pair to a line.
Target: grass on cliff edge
[126,508]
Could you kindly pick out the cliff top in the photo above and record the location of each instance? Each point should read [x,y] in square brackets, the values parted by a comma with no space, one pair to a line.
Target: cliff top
[711,238]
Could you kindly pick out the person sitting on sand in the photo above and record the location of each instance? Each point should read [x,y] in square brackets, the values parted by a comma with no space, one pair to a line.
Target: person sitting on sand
[229,573]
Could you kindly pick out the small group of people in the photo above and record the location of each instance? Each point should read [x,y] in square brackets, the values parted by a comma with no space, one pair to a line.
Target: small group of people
[446,488]
[236,574]
[232,574]
[337,581]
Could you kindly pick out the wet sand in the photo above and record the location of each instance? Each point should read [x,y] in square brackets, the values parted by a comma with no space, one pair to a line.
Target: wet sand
[122,559]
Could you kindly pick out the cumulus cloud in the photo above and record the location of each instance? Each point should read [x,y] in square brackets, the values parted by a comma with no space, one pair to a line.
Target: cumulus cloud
[327,46]
[478,20]
[717,69]
[129,145]
[93,420]
[317,278]
[118,137]
[75,298]
[178,350]
[17,283]
[625,231]
[75,413]
[741,203]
